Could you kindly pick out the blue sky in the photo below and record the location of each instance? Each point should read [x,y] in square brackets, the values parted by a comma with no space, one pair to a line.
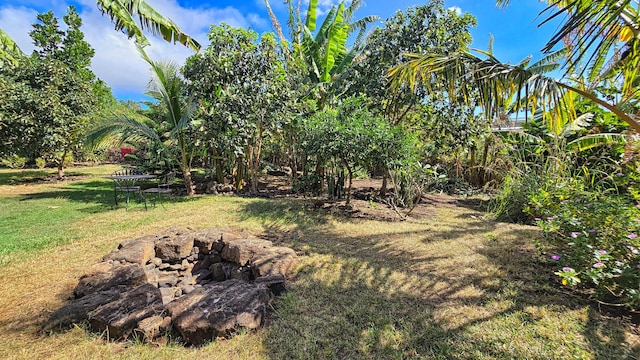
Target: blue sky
[515,29]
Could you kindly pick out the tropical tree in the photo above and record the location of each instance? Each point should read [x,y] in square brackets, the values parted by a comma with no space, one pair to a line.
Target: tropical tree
[169,132]
[349,136]
[48,98]
[325,53]
[593,31]
[244,95]
[426,28]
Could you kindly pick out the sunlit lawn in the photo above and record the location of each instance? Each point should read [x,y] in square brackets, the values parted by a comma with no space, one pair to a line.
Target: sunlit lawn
[451,286]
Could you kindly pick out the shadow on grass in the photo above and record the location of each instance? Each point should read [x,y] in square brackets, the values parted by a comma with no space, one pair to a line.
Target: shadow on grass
[459,292]
[97,196]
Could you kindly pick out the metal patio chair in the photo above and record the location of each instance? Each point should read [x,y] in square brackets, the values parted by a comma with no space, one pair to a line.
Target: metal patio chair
[163,188]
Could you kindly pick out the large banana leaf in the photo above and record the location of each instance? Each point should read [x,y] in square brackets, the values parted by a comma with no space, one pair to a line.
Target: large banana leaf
[594,140]
[312,15]
[123,13]
[336,43]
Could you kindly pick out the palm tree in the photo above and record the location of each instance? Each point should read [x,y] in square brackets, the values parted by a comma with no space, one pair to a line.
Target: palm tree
[124,12]
[592,30]
[170,132]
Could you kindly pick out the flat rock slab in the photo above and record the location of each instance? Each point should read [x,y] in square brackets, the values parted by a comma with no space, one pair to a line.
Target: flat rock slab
[119,318]
[106,275]
[241,251]
[135,251]
[174,248]
[273,261]
[76,311]
[218,309]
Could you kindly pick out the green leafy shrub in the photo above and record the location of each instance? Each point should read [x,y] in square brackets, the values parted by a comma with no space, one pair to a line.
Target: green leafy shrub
[593,237]
[14,162]
[41,163]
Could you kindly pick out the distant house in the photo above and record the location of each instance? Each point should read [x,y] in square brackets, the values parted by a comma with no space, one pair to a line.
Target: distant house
[514,124]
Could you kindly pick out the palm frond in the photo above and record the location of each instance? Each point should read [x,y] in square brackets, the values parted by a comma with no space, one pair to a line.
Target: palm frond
[117,130]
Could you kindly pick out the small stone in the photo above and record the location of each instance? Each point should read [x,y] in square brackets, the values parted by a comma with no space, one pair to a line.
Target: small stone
[149,328]
[168,291]
[202,274]
[163,266]
[156,261]
[188,289]
[166,323]
[178,292]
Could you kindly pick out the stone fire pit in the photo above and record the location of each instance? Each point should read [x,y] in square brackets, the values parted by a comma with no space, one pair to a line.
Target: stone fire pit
[201,284]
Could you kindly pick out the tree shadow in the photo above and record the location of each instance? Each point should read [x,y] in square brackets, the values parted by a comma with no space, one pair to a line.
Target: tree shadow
[96,195]
[456,292]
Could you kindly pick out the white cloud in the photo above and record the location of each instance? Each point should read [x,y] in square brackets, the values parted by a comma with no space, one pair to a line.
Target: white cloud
[456,9]
[116,59]
[17,23]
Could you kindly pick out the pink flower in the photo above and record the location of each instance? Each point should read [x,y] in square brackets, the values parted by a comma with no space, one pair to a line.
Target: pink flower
[575,234]
[598,265]
[566,268]
[602,252]
[550,218]
[632,236]
[555,257]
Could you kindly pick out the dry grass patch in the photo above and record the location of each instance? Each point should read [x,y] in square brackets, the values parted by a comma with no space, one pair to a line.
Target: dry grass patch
[451,286]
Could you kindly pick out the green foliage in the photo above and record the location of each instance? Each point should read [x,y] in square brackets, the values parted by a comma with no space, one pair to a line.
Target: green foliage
[9,50]
[425,28]
[46,100]
[593,236]
[123,14]
[245,97]
[41,163]
[350,136]
[168,131]
[14,162]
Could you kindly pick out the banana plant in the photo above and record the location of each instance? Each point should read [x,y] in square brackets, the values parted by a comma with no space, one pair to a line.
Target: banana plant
[325,52]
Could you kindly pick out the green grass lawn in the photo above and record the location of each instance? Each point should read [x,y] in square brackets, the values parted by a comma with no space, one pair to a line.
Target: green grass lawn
[450,285]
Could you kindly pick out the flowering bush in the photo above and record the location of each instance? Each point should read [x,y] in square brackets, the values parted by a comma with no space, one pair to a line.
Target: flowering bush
[592,237]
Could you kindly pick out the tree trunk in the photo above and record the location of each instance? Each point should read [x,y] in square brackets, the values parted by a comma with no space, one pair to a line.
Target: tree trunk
[255,161]
[240,173]
[61,165]
[483,162]
[350,181]
[188,182]
[383,188]
[473,171]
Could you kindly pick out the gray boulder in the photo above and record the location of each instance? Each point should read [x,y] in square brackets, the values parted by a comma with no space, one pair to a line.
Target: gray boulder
[218,309]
